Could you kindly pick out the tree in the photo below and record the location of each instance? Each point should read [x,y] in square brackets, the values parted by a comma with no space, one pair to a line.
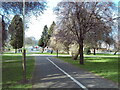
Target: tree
[4,33]
[35,8]
[55,44]
[51,29]
[44,38]
[93,39]
[8,8]
[117,44]
[30,41]
[66,38]
[16,32]
[83,17]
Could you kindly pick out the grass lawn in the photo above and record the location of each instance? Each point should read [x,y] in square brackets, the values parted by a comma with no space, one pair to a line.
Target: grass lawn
[103,54]
[12,72]
[29,53]
[106,67]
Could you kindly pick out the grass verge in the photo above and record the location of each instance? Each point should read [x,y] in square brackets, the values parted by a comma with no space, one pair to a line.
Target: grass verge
[106,67]
[12,72]
[29,53]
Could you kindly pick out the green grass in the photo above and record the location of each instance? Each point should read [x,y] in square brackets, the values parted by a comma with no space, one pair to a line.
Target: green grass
[103,66]
[12,72]
[29,53]
[46,53]
[105,54]
[9,53]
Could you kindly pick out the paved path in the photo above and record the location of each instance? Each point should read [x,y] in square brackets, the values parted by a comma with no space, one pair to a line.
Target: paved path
[54,73]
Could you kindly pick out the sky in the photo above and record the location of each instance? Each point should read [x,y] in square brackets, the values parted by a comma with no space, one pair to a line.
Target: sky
[36,26]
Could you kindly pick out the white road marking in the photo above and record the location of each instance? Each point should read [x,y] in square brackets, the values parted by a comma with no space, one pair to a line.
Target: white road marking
[77,82]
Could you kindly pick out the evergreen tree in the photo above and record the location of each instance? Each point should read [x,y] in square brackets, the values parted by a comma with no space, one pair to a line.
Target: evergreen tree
[46,34]
[16,32]
[51,29]
[44,38]
[4,33]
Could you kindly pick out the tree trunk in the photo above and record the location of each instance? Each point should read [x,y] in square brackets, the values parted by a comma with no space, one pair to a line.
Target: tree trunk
[24,66]
[67,52]
[42,50]
[76,55]
[57,53]
[81,52]
[115,52]
[94,51]
[15,50]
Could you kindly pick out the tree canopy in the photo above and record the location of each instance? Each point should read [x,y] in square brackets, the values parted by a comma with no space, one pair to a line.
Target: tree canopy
[16,32]
[51,29]
[84,18]
[9,9]
[4,33]
[44,38]
[17,7]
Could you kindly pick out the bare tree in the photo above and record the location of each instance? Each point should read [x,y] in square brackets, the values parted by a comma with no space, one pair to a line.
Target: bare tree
[55,44]
[81,18]
[93,38]
[65,38]
[30,41]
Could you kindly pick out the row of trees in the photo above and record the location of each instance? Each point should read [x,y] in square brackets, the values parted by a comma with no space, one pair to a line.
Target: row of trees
[81,24]
[30,41]
[16,25]
[87,22]
[46,35]
[4,32]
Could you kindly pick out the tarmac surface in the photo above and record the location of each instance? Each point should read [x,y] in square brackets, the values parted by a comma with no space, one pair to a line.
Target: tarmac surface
[51,72]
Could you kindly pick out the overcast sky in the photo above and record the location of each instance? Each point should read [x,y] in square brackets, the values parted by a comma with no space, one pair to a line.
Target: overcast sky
[36,27]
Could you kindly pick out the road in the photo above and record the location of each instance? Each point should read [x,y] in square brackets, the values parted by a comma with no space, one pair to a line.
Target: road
[51,72]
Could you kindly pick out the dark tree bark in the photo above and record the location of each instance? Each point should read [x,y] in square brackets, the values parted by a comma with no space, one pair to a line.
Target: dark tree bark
[67,52]
[81,52]
[24,66]
[94,52]
[67,49]
[15,50]
[57,53]
[42,50]
[115,52]
[76,55]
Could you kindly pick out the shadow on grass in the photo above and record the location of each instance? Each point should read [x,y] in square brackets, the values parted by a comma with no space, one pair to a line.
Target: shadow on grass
[12,72]
[103,66]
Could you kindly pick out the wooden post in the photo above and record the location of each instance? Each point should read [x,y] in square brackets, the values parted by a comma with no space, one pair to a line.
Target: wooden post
[24,51]
[57,52]
[24,66]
